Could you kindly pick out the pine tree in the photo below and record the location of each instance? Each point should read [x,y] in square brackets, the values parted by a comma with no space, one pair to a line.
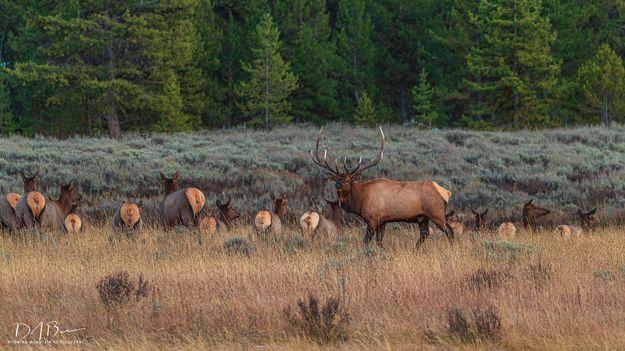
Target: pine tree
[514,74]
[603,81]
[356,52]
[365,114]
[422,95]
[264,96]
[6,117]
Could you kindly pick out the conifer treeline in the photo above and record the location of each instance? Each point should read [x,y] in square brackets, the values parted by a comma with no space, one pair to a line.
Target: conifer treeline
[107,66]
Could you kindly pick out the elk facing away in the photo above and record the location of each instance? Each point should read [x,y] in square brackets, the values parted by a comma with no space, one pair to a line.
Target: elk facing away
[53,214]
[531,212]
[128,216]
[587,220]
[180,206]
[72,222]
[226,213]
[266,221]
[316,223]
[8,202]
[382,201]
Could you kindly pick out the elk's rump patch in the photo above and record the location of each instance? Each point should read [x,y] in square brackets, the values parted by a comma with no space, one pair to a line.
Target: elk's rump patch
[36,202]
[13,198]
[445,194]
[196,199]
[262,221]
[130,213]
[309,221]
[208,225]
[73,223]
[507,230]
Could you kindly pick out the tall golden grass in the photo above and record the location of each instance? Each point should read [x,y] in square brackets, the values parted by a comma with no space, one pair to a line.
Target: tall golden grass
[549,294]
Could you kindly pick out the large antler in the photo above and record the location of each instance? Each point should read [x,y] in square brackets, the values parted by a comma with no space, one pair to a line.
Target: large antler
[323,164]
[377,160]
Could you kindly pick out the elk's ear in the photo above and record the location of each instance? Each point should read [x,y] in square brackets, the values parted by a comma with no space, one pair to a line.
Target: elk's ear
[175,177]
[283,196]
[140,204]
[531,202]
[218,203]
[163,176]
[592,212]
[474,212]
[228,203]
[273,196]
[485,212]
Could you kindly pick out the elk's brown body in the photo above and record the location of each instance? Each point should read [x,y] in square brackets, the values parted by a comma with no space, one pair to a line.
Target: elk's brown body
[588,221]
[314,223]
[335,213]
[53,214]
[8,203]
[531,212]
[382,201]
[128,216]
[271,222]
[226,213]
[180,206]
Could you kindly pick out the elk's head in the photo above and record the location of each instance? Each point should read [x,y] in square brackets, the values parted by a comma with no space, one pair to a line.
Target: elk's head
[69,194]
[335,212]
[228,212]
[588,219]
[480,219]
[533,211]
[343,181]
[169,185]
[279,204]
[30,183]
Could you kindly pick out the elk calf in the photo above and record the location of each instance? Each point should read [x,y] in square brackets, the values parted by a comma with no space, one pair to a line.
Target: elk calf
[315,223]
[180,206]
[226,213]
[457,227]
[128,216]
[480,220]
[271,222]
[73,223]
[531,212]
[588,221]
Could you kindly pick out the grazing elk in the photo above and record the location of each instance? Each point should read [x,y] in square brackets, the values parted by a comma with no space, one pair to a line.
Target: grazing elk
[457,227]
[8,202]
[480,220]
[316,223]
[128,216]
[382,201]
[72,222]
[271,222]
[52,215]
[531,212]
[222,222]
[180,206]
[587,220]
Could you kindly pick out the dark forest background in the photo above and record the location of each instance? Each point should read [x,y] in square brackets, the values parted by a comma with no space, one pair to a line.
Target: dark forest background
[95,67]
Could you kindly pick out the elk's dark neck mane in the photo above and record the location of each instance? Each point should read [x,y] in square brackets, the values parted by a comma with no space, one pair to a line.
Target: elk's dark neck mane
[280,212]
[28,187]
[171,189]
[353,200]
[222,217]
[65,203]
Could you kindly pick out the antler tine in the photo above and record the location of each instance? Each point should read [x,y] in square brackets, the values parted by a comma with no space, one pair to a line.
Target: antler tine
[315,155]
[378,158]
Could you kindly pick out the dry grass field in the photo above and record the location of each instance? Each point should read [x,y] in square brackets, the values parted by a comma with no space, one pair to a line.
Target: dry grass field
[537,293]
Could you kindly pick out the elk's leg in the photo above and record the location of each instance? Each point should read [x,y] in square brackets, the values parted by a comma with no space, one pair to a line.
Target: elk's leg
[379,234]
[371,229]
[424,226]
[445,228]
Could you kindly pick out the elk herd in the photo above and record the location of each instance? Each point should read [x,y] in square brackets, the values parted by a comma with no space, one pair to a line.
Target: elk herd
[377,202]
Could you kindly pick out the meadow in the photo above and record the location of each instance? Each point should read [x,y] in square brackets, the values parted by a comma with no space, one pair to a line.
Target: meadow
[181,290]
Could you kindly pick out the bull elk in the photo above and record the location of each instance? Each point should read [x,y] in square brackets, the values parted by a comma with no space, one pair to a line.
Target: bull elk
[221,222]
[531,212]
[128,216]
[480,220]
[8,202]
[381,201]
[53,214]
[73,222]
[267,221]
[180,206]
[587,220]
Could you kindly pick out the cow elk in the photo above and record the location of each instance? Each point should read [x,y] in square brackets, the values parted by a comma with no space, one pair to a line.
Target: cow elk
[128,216]
[53,214]
[531,212]
[315,223]
[271,222]
[480,220]
[222,222]
[588,222]
[381,201]
[335,213]
[180,206]
[72,222]
[8,202]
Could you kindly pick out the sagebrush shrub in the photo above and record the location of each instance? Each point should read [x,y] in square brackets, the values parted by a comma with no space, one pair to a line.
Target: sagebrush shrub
[323,322]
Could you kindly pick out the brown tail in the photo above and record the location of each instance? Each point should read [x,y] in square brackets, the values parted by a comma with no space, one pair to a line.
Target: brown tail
[36,202]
